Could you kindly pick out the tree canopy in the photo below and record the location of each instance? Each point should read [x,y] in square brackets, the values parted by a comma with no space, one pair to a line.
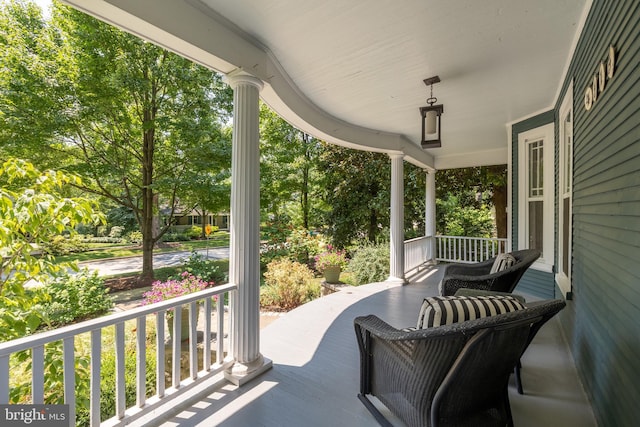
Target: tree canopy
[138,122]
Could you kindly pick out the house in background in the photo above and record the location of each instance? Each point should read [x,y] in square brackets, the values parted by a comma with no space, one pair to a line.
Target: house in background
[182,220]
[563,77]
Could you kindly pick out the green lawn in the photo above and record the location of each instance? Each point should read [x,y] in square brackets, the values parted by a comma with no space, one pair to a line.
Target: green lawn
[219,239]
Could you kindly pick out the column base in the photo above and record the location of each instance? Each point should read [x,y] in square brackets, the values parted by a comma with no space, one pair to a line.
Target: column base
[241,373]
[397,280]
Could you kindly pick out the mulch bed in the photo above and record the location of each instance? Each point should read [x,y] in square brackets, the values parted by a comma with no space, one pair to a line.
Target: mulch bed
[124,284]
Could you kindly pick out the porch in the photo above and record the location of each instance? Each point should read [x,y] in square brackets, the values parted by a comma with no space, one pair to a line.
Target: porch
[315,377]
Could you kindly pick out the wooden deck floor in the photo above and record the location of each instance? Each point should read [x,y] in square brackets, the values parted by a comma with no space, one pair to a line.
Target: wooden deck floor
[314,380]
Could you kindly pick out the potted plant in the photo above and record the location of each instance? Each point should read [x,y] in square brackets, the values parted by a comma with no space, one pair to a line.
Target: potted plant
[331,263]
[162,291]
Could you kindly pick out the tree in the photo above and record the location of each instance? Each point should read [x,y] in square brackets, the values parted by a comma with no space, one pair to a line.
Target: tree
[128,116]
[356,186]
[33,209]
[414,201]
[207,189]
[288,171]
[466,183]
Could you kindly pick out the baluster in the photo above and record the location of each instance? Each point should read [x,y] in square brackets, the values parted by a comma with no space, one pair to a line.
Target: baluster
[120,378]
[206,357]
[160,354]
[220,331]
[69,369]
[177,348]
[193,340]
[141,360]
[37,374]
[94,396]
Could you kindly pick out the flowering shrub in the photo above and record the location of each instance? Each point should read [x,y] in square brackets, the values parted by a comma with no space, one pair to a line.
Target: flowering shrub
[288,284]
[205,269]
[329,258]
[161,291]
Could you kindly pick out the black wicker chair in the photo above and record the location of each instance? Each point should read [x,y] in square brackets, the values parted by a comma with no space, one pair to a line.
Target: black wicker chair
[477,276]
[454,375]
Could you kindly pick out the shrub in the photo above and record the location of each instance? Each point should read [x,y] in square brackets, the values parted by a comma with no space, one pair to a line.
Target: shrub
[103,240]
[455,218]
[75,297]
[86,229]
[271,252]
[302,245]
[299,245]
[116,231]
[288,284]
[204,268]
[175,237]
[61,245]
[330,258]
[134,237]
[370,263]
[194,232]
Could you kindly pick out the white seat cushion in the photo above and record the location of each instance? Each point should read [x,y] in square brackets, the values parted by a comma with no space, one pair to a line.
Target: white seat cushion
[502,262]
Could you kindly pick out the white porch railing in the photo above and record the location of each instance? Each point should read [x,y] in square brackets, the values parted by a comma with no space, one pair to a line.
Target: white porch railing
[450,249]
[417,251]
[70,335]
[468,249]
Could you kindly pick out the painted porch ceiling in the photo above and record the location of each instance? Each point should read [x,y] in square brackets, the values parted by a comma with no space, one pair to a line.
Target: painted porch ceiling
[360,64]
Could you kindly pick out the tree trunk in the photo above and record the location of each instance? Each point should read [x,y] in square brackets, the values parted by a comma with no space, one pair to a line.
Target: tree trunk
[373,227]
[499,200]
[204,221]
[148,238]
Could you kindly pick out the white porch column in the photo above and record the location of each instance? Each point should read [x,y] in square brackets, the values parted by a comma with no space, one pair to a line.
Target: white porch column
[430,212]
[396,263]
[244,256]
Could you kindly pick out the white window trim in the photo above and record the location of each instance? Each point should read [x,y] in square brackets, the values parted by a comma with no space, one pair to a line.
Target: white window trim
[564,281]
[546,133]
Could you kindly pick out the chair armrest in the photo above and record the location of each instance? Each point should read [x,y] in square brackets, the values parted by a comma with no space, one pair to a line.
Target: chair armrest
[476,269]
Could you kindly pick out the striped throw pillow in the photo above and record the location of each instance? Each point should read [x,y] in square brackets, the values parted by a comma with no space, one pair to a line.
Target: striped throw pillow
[440,310]
[502,262]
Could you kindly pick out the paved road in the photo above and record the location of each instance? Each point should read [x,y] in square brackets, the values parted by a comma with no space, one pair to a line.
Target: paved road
[110,267]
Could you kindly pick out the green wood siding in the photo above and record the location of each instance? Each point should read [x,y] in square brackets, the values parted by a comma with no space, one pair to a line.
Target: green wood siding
[537,283]
[606,209]
[602,321]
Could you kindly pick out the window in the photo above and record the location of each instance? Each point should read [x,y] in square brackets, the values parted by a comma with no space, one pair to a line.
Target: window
[536,188]
[565,164]
[535,196]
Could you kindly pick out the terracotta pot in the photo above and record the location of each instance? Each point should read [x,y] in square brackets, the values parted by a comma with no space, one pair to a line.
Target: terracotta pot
[332,274]
[184,322]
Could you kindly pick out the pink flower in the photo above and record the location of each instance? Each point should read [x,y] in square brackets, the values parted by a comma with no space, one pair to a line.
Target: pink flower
[161,291]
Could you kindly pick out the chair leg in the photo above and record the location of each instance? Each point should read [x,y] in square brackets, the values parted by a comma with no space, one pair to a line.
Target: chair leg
[518,379]
[508,410]
[374,411]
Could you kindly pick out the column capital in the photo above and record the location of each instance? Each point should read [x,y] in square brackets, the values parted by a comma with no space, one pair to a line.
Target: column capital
[396,155]
[238,77]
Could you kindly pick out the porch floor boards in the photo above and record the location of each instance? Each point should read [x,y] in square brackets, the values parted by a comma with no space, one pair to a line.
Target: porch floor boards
[315,375]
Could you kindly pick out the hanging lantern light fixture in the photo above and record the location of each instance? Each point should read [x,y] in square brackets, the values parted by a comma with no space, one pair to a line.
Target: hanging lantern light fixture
[431,118]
